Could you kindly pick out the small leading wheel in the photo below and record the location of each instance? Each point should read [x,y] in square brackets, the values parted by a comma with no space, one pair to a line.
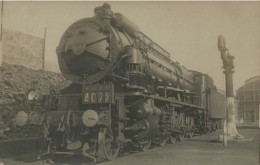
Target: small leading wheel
[109,145]
[173,138]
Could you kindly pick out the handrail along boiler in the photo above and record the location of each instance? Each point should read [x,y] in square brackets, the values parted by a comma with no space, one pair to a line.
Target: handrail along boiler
[125,91]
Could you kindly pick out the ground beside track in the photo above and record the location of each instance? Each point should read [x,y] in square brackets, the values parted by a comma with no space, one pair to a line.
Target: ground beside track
[199,150]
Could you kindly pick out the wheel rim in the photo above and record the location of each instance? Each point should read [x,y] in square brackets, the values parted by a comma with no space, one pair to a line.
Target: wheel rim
[111,148]
[109,145]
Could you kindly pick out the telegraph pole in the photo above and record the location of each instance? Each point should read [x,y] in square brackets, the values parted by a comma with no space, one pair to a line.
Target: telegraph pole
[43,50]
[2,12]
[1,37]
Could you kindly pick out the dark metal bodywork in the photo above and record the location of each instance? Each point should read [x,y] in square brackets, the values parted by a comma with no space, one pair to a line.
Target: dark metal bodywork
[216,104]
[124,86]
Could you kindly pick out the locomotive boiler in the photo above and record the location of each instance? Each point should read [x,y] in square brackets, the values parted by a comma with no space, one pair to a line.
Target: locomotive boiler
[125,92]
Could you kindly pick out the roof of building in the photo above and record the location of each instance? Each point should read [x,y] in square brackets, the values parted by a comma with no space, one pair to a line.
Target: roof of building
[252,78]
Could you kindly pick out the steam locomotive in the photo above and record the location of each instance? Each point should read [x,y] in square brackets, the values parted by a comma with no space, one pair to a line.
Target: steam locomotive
[126,92]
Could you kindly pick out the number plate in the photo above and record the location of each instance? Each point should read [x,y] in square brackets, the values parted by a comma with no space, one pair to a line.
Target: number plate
[100,93]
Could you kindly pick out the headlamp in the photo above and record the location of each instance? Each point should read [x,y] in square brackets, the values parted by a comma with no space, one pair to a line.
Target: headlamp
[21,118]
[90,118]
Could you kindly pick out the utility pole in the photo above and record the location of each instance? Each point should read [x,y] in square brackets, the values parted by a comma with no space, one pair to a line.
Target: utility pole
[230,131]
[1,37]
[43,50]
[2,12]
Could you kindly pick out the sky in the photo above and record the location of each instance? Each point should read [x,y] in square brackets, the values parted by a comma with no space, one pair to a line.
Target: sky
[188,30]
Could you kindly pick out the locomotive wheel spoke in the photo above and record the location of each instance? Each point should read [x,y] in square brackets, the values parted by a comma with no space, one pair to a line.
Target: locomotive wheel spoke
[109,150]
[111,147]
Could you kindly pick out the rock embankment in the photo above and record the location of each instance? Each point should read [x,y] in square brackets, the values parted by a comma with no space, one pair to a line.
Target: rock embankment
[15,81]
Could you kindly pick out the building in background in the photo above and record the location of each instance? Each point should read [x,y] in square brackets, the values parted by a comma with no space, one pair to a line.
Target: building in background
[249,99]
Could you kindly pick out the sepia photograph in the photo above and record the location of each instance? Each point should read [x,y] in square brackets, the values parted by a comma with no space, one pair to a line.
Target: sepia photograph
[129,82]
